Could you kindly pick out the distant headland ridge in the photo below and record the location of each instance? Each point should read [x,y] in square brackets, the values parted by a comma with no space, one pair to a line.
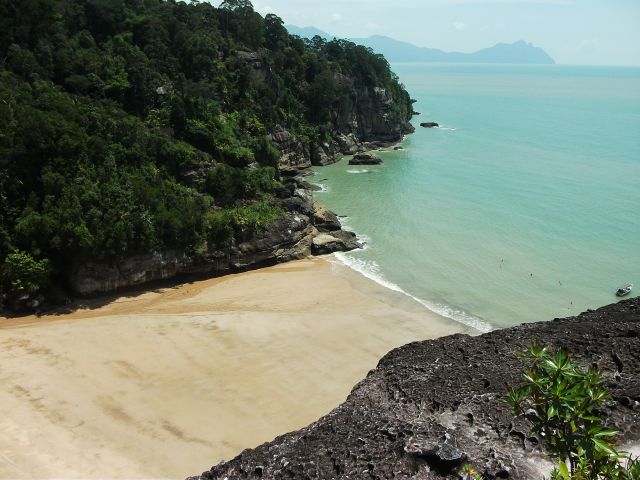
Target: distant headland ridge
[397,51]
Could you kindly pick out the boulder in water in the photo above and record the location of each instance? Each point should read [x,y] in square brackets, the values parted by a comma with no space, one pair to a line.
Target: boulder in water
[365,159]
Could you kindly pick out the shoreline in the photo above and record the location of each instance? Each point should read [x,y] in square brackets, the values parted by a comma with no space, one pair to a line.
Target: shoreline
[446,311]
[450,312]
[206,369]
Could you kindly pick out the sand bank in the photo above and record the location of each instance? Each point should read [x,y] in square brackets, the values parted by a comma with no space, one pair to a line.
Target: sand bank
[167,383]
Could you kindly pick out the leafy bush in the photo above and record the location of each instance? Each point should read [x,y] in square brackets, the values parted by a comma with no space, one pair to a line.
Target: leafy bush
[21,273]
[563,402]
[233,225]
[228,184]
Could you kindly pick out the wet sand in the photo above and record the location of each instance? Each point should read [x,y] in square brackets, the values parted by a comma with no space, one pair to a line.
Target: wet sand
[167,383]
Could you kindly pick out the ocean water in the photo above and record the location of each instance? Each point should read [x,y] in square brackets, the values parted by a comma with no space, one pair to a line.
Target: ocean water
[523,206]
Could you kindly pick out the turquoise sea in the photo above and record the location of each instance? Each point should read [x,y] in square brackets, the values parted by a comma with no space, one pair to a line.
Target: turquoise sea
[523,206]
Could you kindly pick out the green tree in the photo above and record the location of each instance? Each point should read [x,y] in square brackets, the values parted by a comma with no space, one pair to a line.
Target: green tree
[276,36]
[21,273]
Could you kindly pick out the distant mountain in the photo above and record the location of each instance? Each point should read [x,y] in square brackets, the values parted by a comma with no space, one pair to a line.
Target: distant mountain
[397,51]
[307,32]
[517,52]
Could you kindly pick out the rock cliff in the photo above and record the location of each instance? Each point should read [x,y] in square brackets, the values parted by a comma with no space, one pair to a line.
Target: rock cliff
[292,236]
[429,407]
[372,124]
[304,229]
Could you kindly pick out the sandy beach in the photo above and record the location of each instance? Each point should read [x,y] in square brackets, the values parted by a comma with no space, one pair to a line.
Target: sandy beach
[165,384]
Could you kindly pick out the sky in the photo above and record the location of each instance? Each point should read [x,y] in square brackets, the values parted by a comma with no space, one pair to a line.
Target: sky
[583,32]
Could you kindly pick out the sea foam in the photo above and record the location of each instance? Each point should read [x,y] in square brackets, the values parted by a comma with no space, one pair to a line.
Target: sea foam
[372,271]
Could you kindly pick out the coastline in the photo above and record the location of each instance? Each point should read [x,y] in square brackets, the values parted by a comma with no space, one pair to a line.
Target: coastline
[207,369]
[372,271]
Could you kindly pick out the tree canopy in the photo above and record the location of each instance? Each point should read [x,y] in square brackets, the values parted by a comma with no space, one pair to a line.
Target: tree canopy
[108,106]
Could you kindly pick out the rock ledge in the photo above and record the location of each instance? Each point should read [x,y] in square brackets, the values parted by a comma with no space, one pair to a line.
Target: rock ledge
[430,407]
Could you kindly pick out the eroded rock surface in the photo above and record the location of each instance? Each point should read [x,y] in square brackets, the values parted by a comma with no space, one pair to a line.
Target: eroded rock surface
[430,407]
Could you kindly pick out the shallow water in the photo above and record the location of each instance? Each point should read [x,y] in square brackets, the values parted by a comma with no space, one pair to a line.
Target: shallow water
[522,207]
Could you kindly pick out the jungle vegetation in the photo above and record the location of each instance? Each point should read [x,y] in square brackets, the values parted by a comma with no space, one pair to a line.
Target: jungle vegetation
[107,105]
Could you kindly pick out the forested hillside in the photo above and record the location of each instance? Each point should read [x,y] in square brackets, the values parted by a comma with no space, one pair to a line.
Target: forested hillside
[130,126]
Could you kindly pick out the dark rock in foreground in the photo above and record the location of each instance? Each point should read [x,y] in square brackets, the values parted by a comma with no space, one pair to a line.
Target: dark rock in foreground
[429,125]
[365,159]
[431,407]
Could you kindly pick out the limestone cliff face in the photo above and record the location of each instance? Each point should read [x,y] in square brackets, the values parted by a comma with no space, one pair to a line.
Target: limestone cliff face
[306,228]
[371,124]
[430,407]
[374,118]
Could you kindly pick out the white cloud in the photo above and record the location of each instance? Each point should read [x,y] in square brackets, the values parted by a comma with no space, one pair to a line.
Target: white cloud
[336,17]
[459,25]
[262,9]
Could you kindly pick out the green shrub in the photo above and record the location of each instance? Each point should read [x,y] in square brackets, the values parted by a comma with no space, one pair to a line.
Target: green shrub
[563,402]
[234,225]
[228,184]
[21,273]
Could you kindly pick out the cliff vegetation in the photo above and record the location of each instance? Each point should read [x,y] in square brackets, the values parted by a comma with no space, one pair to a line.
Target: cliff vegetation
[137,126]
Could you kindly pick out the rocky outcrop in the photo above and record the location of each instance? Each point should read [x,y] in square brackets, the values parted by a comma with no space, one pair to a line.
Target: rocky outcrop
[372,124]
[348,144]
[337,241]
[431,407]
[365,159]
[374,120]
[325,220]
[295,156]
[292,236]
[325,153]
[429,125]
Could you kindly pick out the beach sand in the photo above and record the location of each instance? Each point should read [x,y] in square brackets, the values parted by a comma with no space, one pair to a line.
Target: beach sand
[165,384]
